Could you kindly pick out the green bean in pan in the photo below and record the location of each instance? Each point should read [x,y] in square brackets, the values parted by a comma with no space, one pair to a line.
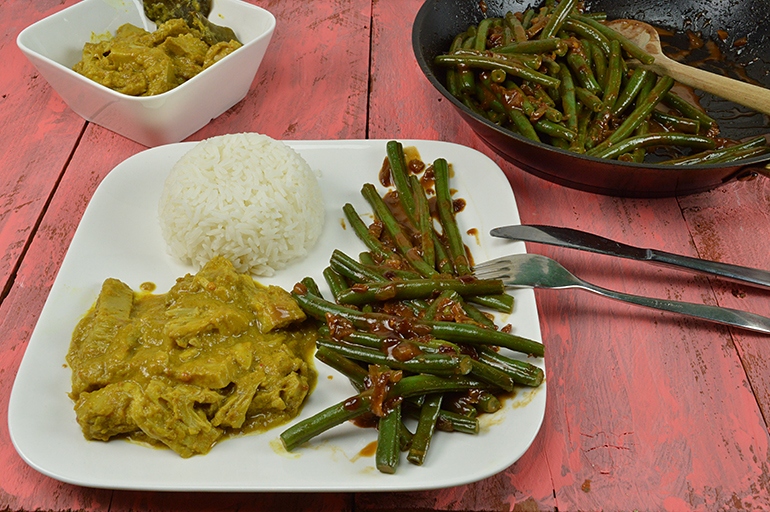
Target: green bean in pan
[512,94]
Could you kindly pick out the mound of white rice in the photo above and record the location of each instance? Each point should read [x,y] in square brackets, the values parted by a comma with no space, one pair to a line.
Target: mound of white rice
[247,197]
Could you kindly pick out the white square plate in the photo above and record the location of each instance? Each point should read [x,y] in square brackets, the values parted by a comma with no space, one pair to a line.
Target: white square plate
[119,237]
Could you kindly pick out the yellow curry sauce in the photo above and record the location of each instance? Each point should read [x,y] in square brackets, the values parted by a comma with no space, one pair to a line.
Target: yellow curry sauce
[140,63]
[216,356]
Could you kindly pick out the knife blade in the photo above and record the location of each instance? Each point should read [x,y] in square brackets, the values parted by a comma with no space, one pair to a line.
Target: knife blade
[581,240]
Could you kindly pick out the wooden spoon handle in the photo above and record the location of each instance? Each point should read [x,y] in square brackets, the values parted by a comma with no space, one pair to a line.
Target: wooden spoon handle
[748,95]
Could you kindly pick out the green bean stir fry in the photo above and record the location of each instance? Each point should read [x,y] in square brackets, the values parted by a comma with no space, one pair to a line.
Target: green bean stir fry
[405,325]
[561,76]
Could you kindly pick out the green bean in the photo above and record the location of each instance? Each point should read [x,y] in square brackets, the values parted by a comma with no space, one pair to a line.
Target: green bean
[438,364]
[468,333]
[558,46]
[631,90]
[481,35]
[639,114]
[567,93]
[523,124]
[426,425]
[391,225]
[330,417]
[488,403]
[351,269]
[425,384]
[557,17]
[600,63]
[387,452]
[451,75]
[578,145]
[614,76]
[706,157]
[476,315]
[445,207]
[400,175]
[318,308]
[450,422]
[347,367]
[311,285]
[491,375]
[583,73]
[656,139]
[484,62]
[521,372]
[519,33]
[526,21]
[589,99]
[417,289]
[555,130]
[681,124]
[335,281]
[740,155]
[362,231]
[687,109]
[628,45]
[589,33]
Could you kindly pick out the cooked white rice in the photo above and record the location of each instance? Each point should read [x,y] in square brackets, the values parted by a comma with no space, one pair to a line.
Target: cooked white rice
[247,197]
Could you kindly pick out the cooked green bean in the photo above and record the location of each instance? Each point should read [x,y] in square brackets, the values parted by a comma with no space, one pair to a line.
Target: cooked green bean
[568,100]
[680,124]
[387,453]
[437,364]
[417,289]
[656,139]
[582,70]
[557,17]
[589,99]
[396,232]
[484,62]
[636,117]
[445,207]
[687,109]
[707,157]
[628,45]
[362,231]
[426,424]
[558,46]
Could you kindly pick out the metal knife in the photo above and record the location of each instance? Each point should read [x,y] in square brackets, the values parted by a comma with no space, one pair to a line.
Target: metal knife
[575,239]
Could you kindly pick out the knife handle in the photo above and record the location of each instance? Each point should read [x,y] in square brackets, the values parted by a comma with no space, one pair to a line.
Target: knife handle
[736,273]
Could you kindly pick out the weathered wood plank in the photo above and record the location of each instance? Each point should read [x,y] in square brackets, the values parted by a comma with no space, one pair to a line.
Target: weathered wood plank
[39,133]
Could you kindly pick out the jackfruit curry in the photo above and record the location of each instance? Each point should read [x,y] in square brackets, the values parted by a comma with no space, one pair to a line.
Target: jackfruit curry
[217,356]
[140,63]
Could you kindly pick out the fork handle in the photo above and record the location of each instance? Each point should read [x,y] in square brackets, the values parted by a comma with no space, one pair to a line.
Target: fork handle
[726,316]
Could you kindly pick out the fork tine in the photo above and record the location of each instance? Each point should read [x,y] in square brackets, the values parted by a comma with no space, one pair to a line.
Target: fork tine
[498,268]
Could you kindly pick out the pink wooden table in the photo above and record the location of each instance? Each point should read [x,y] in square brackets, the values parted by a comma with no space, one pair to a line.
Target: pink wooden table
[646,411]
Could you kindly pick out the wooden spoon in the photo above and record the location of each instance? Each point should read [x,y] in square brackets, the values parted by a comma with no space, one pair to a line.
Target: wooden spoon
[646,37]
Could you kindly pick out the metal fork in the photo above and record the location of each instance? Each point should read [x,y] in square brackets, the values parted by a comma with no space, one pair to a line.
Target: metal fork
[534,270]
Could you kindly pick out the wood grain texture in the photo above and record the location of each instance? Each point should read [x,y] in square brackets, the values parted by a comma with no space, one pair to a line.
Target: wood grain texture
[39,133]
[313,81]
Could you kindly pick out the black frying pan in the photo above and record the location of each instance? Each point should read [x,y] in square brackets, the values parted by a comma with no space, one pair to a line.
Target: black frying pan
[439,21]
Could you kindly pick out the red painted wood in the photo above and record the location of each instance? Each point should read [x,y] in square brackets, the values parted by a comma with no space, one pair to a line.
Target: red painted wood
[39,133]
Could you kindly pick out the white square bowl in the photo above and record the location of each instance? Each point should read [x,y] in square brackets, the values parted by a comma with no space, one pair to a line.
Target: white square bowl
[55,44]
